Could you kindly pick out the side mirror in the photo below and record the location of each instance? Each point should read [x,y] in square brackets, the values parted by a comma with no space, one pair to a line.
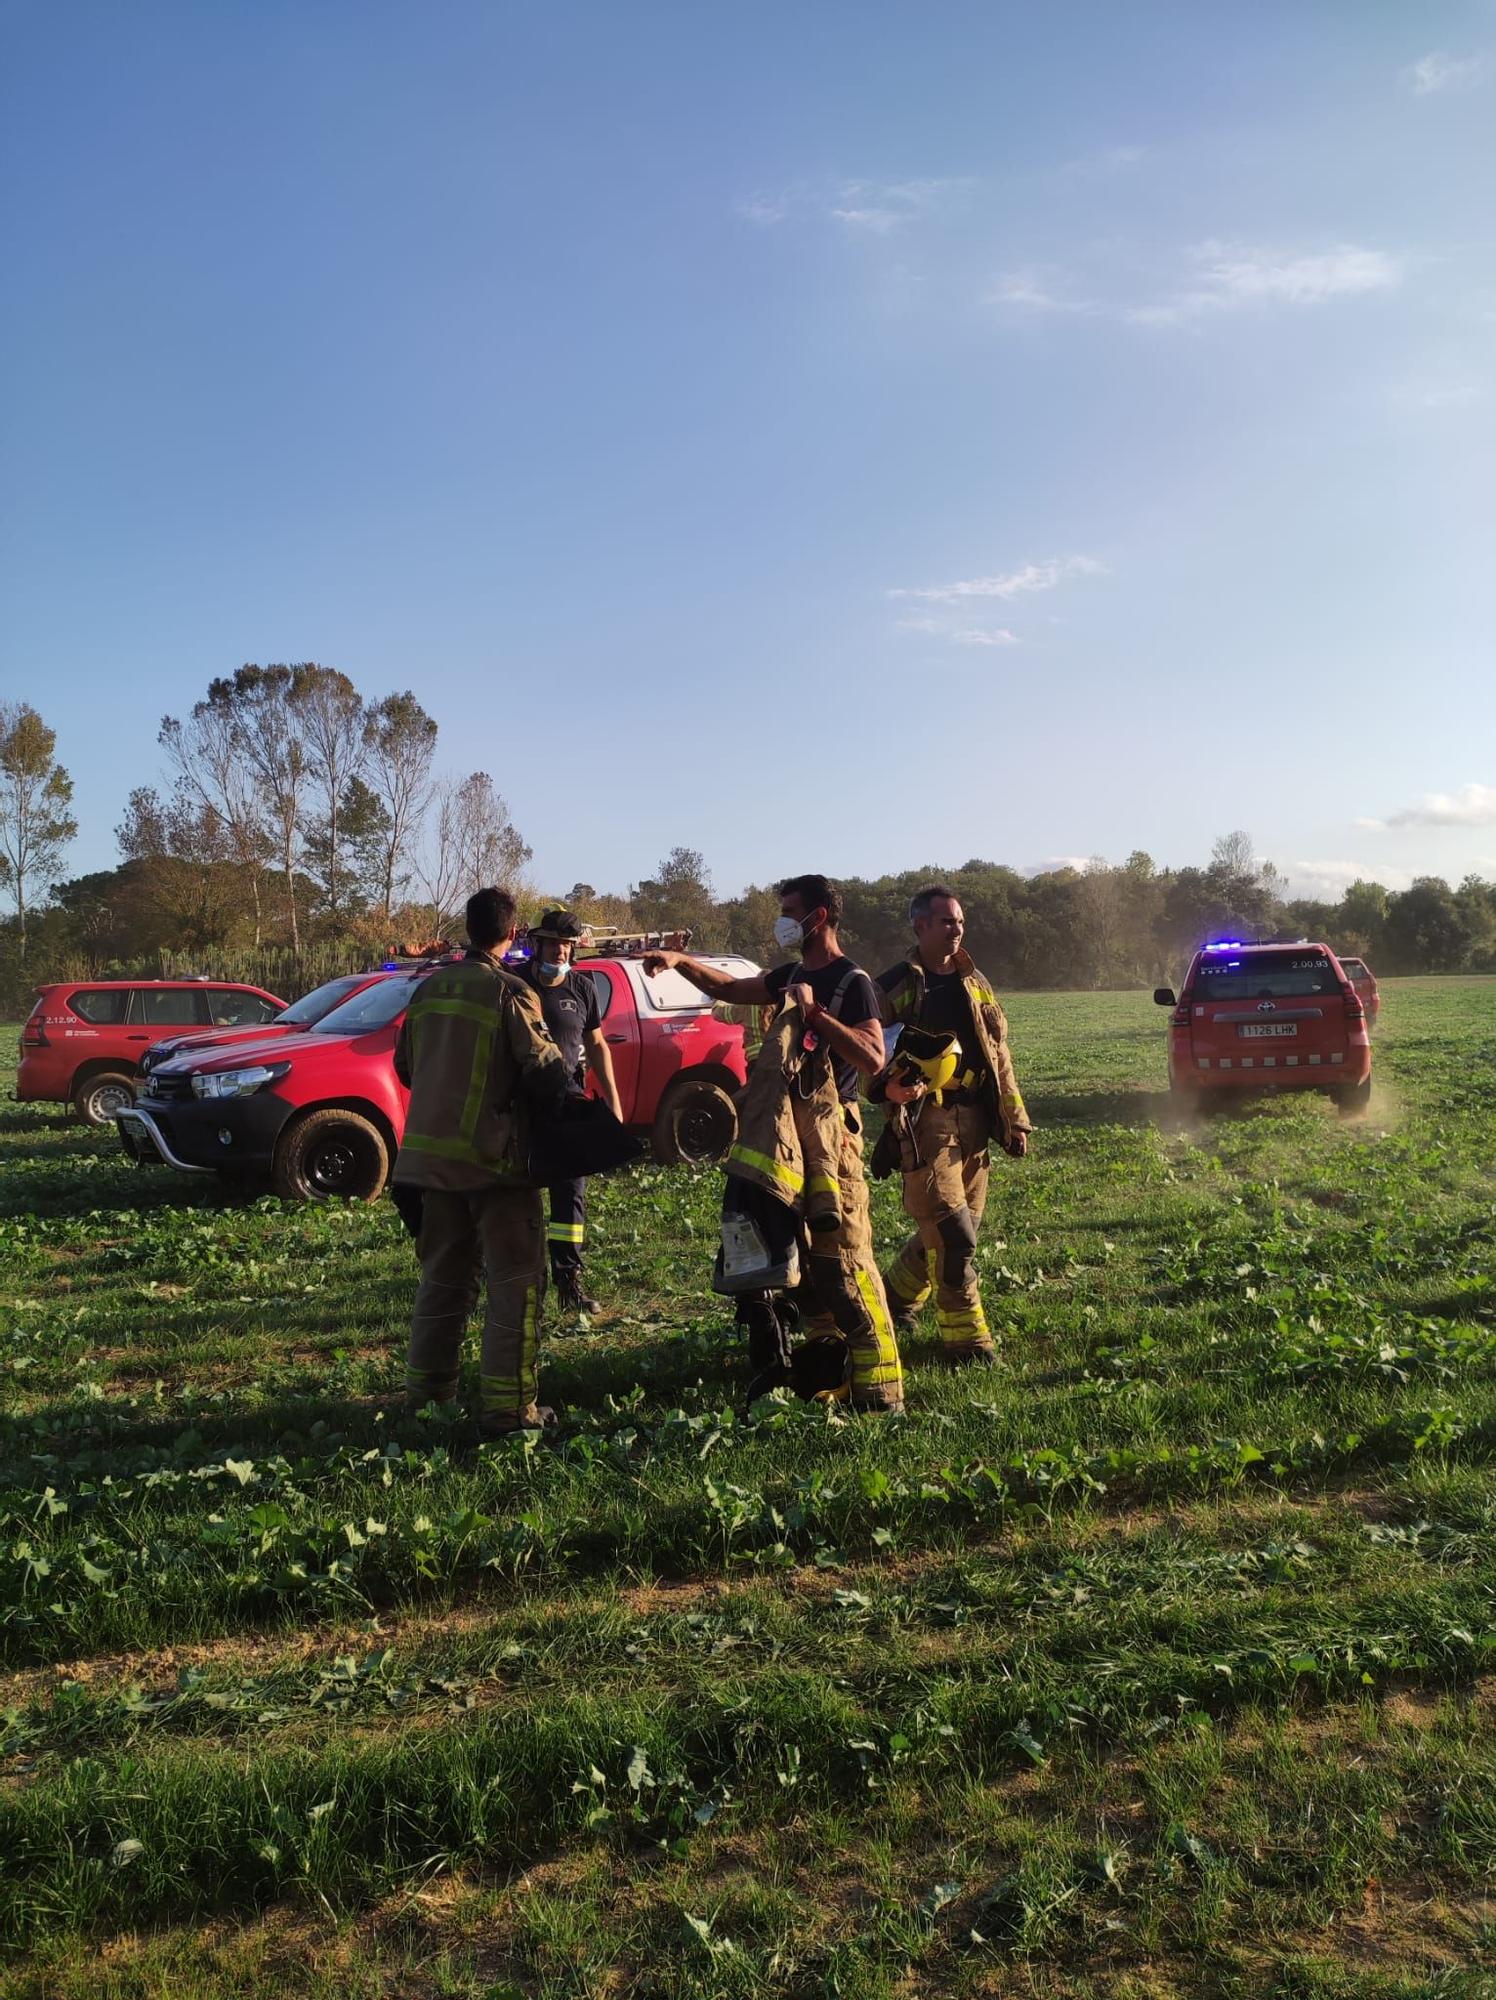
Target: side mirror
[1163,996]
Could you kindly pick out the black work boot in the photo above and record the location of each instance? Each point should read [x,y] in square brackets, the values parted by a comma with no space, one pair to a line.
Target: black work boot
[570,1298]
[981,1354]
[760,1322]
[534,1418]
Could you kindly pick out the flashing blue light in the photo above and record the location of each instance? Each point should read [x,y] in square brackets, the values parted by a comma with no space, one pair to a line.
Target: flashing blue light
[1226,944]
[390,965]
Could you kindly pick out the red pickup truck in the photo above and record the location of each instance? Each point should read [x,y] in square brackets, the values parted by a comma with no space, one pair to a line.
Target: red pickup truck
[321,1114]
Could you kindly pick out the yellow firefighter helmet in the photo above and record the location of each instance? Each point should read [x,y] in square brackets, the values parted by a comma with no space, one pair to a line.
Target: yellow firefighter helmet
[935,1059]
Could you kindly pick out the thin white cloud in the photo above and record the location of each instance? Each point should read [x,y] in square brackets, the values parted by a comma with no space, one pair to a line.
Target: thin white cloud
[1329,880]
[1079,862]
[881,206]
[1034,291]
[932,626]
[878,220]
[1233,276]
[1471,805]
[867,207]
[764,210]
[1439,392]
[1437,71]
[1017,583]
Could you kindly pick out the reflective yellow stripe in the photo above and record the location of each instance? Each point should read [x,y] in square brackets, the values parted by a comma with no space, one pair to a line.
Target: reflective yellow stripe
[457,1149]
[907,1286]
[508,1395]
[881,1369]
[823,1184]
[564,1232]
[462,1010]
[776,1169]
[527,1349]
[418,1378]
[970,1324]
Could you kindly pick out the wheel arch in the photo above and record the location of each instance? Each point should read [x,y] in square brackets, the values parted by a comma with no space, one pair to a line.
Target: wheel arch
[707,1072]
[92,1066]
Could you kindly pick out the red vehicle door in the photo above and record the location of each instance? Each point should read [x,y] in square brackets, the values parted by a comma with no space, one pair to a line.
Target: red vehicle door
[156,1010]
[620,1025]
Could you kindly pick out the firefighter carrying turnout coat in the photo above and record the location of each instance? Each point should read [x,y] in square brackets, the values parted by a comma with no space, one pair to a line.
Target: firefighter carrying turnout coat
[790,1125]
[941,1148]
[475,1055]
[801,1144]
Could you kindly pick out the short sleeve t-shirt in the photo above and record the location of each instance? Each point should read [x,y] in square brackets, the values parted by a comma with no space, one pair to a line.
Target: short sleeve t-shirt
[858,1003]
[946,1010]
[570,1010]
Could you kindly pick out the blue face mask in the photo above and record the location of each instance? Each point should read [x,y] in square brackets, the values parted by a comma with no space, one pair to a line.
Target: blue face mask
[550,971]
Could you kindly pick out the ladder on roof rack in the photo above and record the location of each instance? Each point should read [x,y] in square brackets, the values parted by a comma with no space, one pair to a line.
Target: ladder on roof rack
[607,941]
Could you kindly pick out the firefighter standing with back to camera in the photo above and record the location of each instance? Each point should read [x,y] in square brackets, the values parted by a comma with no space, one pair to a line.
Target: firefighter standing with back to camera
[569,1004]
[940,1139]
[841,1006]
[478,1060]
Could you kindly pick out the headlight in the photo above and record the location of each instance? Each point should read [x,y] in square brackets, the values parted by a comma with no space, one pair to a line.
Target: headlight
[236,1082]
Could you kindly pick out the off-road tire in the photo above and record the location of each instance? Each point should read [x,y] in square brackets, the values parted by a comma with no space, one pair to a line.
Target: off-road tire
[695,1124]
[1186,1101]
[1351,1099]
[98,1097]
[330,1156]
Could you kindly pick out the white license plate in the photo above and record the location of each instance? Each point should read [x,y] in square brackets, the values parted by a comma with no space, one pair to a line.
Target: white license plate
[1258,1030]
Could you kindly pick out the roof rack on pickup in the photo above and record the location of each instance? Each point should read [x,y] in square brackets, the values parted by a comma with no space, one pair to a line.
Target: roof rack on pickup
[606,941]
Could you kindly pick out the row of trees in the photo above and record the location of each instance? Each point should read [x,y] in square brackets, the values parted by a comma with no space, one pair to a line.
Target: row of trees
[291,812]
[298,827]
[287,771]
[1104,925]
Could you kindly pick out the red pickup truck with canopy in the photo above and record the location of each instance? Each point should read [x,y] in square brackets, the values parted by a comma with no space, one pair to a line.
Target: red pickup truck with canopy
[321,1114]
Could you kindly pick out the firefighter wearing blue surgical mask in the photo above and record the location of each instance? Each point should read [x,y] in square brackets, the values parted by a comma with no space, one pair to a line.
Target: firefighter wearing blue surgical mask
[569,1004]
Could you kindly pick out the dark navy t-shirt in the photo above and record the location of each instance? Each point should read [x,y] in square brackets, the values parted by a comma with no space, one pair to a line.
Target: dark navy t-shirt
[857,1004]
[570,1010]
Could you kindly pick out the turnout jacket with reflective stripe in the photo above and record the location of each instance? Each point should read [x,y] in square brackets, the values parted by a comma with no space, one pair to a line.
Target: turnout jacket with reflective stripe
[471,1049]
[790,1123]
[903,1000]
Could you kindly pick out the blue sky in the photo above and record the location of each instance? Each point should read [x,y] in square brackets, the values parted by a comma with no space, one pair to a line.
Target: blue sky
[846,435]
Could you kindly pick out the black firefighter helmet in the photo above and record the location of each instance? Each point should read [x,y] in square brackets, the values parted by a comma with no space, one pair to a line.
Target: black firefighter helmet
[559,923]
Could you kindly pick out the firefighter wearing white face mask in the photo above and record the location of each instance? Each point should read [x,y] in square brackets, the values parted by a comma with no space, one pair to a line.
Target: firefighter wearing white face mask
[841,1008]
[569,1004]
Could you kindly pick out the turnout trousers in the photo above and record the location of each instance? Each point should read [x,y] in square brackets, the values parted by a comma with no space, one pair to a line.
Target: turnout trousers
[495,1234]
[567,1228]
[944,1198]
[848,1289]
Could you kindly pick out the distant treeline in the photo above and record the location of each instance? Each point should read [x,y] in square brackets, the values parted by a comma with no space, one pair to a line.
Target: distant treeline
[300,829]
[1098,926]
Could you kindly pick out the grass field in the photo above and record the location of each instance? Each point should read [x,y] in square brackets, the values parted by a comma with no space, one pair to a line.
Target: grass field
[1157,1662]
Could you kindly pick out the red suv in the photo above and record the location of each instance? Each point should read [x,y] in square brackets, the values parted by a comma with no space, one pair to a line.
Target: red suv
[1363,979]
[83,1038]
[322,1112]
[1267,1017]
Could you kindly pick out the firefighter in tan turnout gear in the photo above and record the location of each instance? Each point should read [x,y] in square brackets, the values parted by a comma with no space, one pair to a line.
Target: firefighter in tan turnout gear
[839,1006]
[940,1140]
[476,1056]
